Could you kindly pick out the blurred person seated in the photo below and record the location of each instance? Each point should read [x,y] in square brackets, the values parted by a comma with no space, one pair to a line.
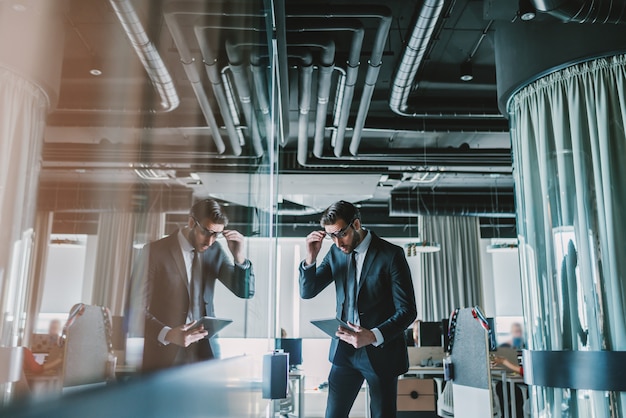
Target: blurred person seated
[517,337]
[499,361]
[42,344]
[51,345]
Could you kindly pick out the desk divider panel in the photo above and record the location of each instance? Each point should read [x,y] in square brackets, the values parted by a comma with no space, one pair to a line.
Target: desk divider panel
[472,379]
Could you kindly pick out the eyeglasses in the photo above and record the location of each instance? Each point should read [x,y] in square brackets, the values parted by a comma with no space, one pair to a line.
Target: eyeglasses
[341,233]
[207,232]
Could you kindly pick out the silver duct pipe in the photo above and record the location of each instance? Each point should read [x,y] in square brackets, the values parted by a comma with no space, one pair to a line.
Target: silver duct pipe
[147,53]
[584,11]
[413,55]
[410,62]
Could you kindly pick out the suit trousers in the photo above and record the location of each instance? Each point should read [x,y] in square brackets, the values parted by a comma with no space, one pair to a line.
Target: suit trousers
[345,381]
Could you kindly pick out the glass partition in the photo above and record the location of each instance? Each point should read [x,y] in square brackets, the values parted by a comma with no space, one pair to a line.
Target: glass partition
[159,105]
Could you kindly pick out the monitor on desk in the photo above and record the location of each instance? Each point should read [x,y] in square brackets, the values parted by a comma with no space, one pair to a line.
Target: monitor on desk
[430,334]
[293,346]
[492,327]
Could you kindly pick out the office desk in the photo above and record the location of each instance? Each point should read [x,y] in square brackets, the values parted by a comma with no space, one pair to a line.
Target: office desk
[509,380]
[297,376]
[425,371]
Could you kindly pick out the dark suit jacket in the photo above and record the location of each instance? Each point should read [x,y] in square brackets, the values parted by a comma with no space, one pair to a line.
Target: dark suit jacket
[166,294]
[386,300]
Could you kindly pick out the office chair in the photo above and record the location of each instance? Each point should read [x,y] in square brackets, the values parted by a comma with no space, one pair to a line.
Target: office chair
[88,349]
[445,401]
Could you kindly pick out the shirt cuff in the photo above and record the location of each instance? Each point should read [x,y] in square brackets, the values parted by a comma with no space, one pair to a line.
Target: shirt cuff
[305,267]
[379,337]
[245,265]
[162,334]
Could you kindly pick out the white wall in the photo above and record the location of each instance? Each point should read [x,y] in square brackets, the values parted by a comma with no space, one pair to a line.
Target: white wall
[501,289]
[63,278]
[69,279]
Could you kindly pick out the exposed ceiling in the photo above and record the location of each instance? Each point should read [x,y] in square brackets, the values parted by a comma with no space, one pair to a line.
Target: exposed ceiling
[362,92]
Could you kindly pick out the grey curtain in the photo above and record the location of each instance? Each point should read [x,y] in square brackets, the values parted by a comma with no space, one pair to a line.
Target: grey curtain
[39,259]
[451,277]
[113,262]
[23,108]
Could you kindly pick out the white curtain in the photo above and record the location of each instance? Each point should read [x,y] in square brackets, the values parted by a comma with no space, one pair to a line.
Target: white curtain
[39,259]
[113,262]
[23,108]
[451,278]
[569,149]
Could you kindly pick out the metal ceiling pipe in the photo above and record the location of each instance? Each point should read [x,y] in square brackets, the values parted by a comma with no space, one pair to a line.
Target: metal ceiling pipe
[147,53]
[415,201]
[352,70]
[404,78]
[240,78]
[371,77]
[434,158]
[210,64]
[193,73]
[259,77]
[373,11]
[324,79]
[584,11]
[281,69]
[326,58]
[304,103]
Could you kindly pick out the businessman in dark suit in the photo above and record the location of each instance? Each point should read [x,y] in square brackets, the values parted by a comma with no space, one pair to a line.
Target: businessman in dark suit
[178,275]
[375,296]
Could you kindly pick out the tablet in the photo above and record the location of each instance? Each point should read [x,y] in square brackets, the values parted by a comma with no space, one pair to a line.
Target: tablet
[212,325]
[330,326]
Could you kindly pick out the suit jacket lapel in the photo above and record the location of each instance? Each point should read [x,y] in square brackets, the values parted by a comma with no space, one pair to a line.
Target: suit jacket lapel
[370,256]
[177,255]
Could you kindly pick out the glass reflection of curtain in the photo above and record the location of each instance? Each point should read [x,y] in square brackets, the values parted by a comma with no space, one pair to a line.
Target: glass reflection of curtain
[43,229]
[149,227]
[569,146]
[23,108]
[113,262]
[451,277]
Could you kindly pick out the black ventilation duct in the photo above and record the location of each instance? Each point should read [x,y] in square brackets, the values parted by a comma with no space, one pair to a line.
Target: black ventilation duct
[584,11]
[452,202]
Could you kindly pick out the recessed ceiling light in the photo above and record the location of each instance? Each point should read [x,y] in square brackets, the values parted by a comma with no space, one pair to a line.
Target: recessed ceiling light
[466,71]
[95,72]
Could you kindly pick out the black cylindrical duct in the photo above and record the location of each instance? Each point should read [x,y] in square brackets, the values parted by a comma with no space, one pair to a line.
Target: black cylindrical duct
[584,11]
[452,202]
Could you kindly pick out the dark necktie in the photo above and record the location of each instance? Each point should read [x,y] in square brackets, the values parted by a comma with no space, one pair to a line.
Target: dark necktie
[349,306]
[196,299]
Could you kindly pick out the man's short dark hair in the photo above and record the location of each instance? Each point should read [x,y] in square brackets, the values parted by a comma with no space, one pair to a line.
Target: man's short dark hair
[208,209]
[340,210]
